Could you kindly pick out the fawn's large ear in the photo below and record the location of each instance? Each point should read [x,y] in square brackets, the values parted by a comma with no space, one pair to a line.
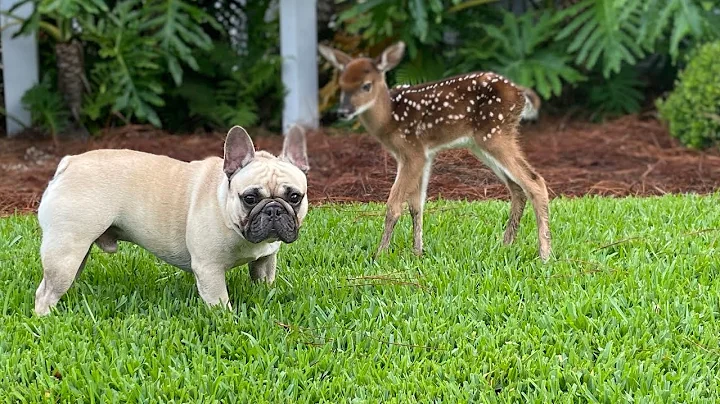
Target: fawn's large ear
[239,150]
[390,57]
[338,58]
[295,148]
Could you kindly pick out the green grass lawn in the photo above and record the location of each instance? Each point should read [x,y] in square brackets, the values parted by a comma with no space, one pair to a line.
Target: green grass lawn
[471,321]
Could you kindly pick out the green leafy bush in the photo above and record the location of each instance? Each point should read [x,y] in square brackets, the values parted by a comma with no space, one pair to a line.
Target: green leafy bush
[239,80]
[692,110]
[46,106]
[177,64]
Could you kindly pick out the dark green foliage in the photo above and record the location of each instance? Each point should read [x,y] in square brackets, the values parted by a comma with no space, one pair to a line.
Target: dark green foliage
[238,81]
[621,93]
[675,21]
[595,51]
[417,22]
[47,109]
[178,27]
[523,49]
[425,67]
[55,16]
[170,63]
[606,31]
[237,95]
[126,78]
[692,110]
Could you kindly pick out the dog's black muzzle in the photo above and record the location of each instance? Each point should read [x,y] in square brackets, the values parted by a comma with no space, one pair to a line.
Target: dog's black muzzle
[272,219]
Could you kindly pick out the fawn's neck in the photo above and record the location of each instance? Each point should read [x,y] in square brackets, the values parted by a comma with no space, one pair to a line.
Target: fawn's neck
[376,119]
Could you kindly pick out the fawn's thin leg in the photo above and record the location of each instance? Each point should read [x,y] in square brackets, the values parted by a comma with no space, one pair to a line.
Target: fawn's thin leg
[406,182]
[517,207]
[416,204]
[508,157]
[518,200]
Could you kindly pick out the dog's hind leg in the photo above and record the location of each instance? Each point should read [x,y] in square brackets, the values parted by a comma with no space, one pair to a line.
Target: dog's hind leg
[62,258]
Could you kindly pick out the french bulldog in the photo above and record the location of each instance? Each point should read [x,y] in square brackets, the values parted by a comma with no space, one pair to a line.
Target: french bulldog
[204,216]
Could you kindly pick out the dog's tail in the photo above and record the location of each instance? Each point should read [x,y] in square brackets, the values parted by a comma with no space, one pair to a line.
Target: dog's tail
[532,104]
[62,165]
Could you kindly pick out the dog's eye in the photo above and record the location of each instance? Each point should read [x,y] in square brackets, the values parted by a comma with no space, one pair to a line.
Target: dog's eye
[250,199]
[294,198]
[366,87]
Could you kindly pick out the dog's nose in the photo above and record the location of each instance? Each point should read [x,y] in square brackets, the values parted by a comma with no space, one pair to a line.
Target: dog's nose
[274,209]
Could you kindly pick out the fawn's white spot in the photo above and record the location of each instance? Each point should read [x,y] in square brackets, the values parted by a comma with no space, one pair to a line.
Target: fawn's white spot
[491,114]
[493,130]
[472,102]
[395,117]
[501,117]
[469,109]
[445,104]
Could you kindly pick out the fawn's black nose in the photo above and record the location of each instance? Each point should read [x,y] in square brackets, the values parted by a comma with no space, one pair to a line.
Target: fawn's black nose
[344,113]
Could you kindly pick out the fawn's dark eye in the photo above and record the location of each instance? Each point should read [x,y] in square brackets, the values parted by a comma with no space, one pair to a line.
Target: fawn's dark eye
[250,200]
[295,198]
[366,87]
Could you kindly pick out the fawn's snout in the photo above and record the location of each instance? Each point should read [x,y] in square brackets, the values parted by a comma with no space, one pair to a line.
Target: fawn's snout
[346,110]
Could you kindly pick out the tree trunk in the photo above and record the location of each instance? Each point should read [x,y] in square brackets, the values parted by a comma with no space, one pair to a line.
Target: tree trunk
[71,80]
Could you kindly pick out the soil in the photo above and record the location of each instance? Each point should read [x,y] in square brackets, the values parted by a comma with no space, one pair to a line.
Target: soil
[627,156]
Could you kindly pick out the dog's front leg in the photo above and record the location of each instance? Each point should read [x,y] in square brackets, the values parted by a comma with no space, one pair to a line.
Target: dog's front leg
[211,285]
[263,269]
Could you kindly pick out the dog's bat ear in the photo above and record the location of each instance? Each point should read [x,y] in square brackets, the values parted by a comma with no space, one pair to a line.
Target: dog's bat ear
[295,148]
[239,150]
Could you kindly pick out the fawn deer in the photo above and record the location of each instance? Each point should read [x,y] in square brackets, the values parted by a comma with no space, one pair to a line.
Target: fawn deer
[478,111]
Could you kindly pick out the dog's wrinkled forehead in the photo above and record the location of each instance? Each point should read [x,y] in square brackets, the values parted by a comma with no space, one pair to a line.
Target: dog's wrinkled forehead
[269,173]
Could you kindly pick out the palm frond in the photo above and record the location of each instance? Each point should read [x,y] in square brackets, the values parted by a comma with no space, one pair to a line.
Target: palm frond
[522,49]
[604,30]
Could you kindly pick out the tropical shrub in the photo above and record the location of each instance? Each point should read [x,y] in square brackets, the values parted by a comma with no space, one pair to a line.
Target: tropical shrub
[603,50]
[48,111]
[692,110]
[174,63]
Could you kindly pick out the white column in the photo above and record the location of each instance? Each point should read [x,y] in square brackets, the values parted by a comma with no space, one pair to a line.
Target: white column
[298,47]
[20,67]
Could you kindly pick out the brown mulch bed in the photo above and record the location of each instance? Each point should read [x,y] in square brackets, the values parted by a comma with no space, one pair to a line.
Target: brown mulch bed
[628,156]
